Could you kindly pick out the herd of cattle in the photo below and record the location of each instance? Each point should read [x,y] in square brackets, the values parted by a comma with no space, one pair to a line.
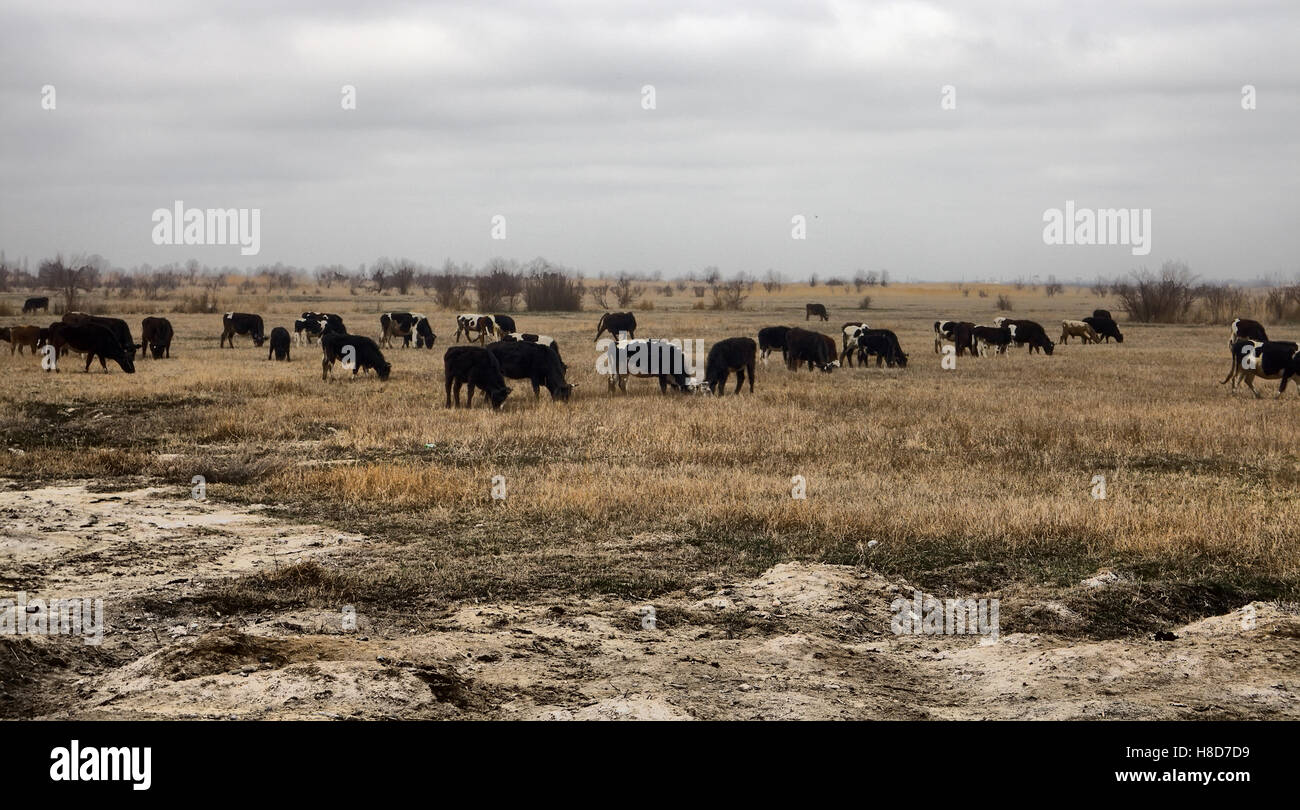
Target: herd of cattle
[536,358]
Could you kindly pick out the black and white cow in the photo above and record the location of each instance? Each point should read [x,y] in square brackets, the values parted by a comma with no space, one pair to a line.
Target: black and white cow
[535,362]
[771,338]
[646,358]
[33,304]
[883,344]
[958,333]
[1029,332]
[818,310]
[1105,328]
[1267,360]
[736,354]
[851,331]
[242,323]
[405,325]
[616,323]
[478,368]
[529,337]
[814,348]
[314,324]
[156,338]
[999,337]
[504,323]
[355,351]
[483,326]
[1246,329]
[93,340]
[279,344]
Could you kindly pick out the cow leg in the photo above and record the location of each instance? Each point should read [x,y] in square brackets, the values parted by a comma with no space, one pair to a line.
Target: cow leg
[469,395]
[325,365]
[90,356]
[740,381]
[447,383]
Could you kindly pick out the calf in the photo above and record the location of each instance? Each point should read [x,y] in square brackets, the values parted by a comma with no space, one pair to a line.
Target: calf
[1268,360]
[363,354]
[156,338]
[1105,328]
[882,343]
[645,358]
[809,310]
[482,325]
[93,340]
[1030,332]
[476,367]
[535,362]
[999,337]
[279,344]
[616,323]
[813,348]
[242,323]
[115,325]
[958,333]
[733,354]
[33,304]
[1246,329]
[771,338]
[20,336]
[850,332]
[1079,329]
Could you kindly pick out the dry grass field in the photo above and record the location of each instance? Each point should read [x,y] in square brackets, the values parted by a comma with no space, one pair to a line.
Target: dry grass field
[974,482]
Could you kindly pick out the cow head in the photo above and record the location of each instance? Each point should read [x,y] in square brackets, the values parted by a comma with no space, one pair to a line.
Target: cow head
[829,367]
[259,339]
[499,396]
[157,351]
[383,370]
[1048,345]
[902,360]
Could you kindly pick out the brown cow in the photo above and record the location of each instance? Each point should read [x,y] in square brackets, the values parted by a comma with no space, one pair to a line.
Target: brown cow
[20,336]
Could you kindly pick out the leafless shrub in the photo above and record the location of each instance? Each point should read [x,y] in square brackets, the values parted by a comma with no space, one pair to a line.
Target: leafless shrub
[1163,297]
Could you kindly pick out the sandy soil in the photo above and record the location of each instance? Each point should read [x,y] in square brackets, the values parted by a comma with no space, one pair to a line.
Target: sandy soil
[800,641]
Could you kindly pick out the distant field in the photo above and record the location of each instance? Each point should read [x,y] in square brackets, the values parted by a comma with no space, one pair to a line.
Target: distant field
[973,480]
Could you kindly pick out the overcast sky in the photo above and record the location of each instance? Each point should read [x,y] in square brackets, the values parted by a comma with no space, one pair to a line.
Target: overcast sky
[763,111]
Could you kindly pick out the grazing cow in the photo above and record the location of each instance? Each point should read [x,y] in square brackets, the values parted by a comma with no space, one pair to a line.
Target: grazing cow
[20,336]
[33,304]
[279,344]
[1246,329]
[156,337]
[535,362]
[482,325]
[314,324]
[645,358]
[306,329]
[1105,328]
[819,310]
[850,331]
[882,343]
[355,351]
[504,323]
[1268,360]
[616,323]
[47,337]
[1030,332]
[1102,313]
[958,333]
[1078,329]
[115,325]
[93,340]
[242,323]
[771,338]
[404,325]
[998,337]
[733,354]
[541,340]
[813,348]
[476,367]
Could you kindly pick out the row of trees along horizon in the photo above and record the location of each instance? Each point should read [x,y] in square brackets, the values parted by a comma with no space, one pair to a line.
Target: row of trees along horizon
[1170,295]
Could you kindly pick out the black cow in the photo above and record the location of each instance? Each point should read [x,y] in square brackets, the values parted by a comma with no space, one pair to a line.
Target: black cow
[771,338]
[1102,313]
[1030,332]
[1105,328]
[616,323]
[476,367]
[540,365]
[733,354]
[242,323]
[959,333]
[1246,329]
[819,310]
[279,344]
[94,340]
[33,304]
[504,323]
[997,336]
[882,343]
[813,348]
[156,337]
[364,354]
[645,358]
[115,325]
[1269,360]
[529,337]
[405,325]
